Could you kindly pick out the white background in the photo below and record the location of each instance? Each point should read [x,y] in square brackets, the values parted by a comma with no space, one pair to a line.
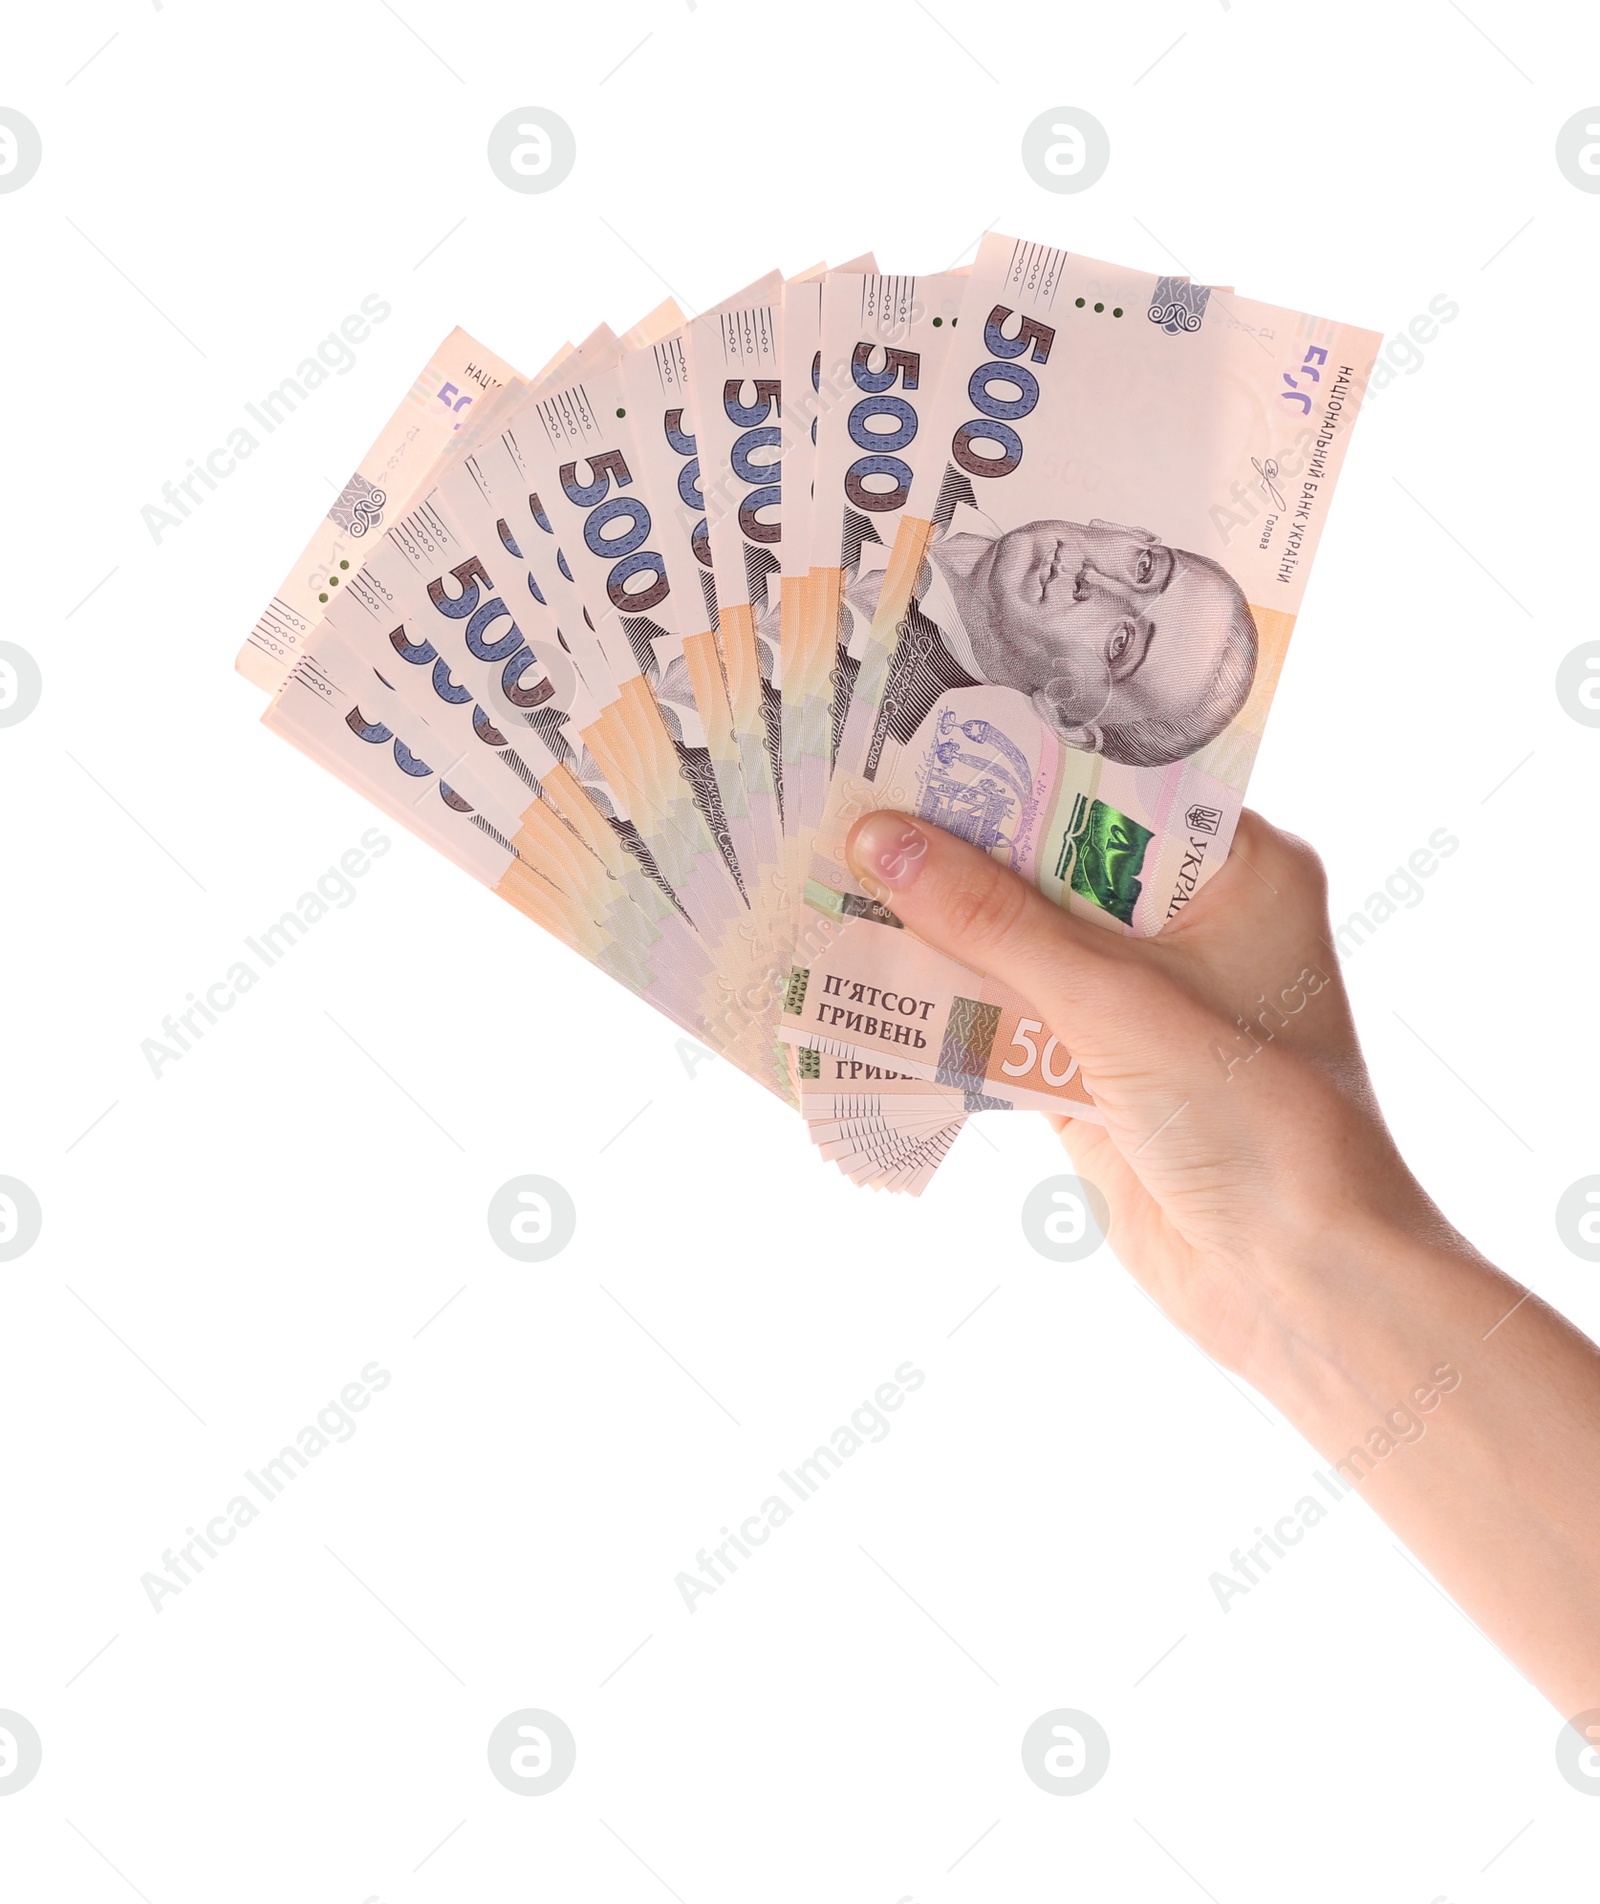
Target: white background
[226,1246]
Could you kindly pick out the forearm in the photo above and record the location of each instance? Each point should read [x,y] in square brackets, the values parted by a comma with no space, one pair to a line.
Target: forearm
[1258,1198]
[1467,1413]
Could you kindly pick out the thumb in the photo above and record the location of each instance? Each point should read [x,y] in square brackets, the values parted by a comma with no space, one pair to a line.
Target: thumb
[959,900]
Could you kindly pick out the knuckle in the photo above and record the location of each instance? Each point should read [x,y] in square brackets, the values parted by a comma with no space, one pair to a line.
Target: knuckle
[1292,864]
[1303,865]
[984,906]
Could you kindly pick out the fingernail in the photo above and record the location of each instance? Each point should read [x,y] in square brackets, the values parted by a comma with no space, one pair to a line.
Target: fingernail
[887,853]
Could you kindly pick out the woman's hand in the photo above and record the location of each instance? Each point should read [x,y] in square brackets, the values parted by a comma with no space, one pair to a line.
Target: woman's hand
[1239,1120]
[1257,1195]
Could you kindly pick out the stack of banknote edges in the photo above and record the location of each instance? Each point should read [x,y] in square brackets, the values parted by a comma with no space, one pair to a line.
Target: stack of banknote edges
[634,640]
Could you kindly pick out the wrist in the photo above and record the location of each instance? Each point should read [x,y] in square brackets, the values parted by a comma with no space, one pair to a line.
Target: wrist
[1354,1320]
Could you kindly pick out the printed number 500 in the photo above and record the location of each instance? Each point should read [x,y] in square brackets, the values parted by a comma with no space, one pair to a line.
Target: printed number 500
[1045,1060]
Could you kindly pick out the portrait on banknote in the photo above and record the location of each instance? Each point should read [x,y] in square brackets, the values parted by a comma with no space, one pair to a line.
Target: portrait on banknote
[1123,645]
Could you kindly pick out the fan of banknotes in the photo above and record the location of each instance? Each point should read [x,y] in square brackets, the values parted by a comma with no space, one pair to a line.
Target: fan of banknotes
[633,640]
